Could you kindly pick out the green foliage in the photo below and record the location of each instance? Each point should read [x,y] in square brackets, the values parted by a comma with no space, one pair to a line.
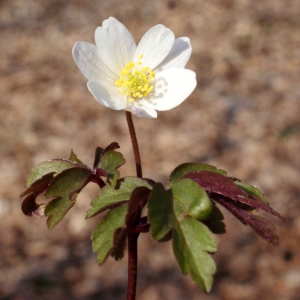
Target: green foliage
[73,157]
[223,186]
[242,202]
[110,161]
[110,197]
[109,233]
[186,168]
[170,211]
[65,187]
[215,221]
[186,212]
[193,199]
[59,179]
[160,212]
[51,166]
[99,152]
[176,213]
[251,190]
[109,237]
[64,179]
[191,242]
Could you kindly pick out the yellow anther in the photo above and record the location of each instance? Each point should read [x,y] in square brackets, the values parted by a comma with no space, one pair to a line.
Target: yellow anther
[135,82]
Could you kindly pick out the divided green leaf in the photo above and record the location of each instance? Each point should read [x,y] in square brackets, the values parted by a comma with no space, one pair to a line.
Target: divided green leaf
[191,242]
[160,212]
[110,197]
[50,166]
[109,236]
[172,211]
[100,151]
[65,188]
[110,162]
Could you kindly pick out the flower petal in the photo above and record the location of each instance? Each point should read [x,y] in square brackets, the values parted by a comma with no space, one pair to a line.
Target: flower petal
[171,88]
[115,44]
[178,56]
[158,50]
[89,62]
[155,45]
[142,112]
[107,94]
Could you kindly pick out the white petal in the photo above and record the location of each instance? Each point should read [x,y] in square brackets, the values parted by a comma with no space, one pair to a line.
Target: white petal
[90,64]
[178,56]
[115,44]
[107,94]
[171,88]
[155,45]
[142,112]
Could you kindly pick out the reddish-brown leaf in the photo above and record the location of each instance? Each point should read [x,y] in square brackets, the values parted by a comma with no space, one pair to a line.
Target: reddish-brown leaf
[216,183]
[261,226]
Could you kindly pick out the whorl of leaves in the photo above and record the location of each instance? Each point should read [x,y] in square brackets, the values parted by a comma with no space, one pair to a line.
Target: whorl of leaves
[185,211]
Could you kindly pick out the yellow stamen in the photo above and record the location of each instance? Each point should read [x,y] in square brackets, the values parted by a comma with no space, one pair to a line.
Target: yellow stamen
[135,82]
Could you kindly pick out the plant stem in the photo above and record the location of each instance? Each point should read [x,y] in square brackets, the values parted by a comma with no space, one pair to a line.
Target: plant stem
[135,145]
[132,235]
[132,265]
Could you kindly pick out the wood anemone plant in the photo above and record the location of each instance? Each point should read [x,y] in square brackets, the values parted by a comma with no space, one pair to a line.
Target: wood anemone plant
[185,211]
[143,79]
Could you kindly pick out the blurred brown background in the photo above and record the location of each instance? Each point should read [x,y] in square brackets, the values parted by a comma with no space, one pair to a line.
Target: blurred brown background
[243,117]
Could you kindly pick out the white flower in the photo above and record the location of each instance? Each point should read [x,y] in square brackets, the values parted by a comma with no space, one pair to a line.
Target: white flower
[140,79]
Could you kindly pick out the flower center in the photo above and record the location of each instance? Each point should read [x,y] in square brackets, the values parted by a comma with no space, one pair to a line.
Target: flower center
[135,81]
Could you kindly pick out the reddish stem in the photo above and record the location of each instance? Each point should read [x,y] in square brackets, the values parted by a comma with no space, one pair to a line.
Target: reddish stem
[135,145]
[132,234]
[132,265]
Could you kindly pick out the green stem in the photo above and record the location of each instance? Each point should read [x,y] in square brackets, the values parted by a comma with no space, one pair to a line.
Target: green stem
[132,235]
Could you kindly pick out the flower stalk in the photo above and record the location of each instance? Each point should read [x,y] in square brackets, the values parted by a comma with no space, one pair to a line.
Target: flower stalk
[132,235]
[132,264]
[135,145]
